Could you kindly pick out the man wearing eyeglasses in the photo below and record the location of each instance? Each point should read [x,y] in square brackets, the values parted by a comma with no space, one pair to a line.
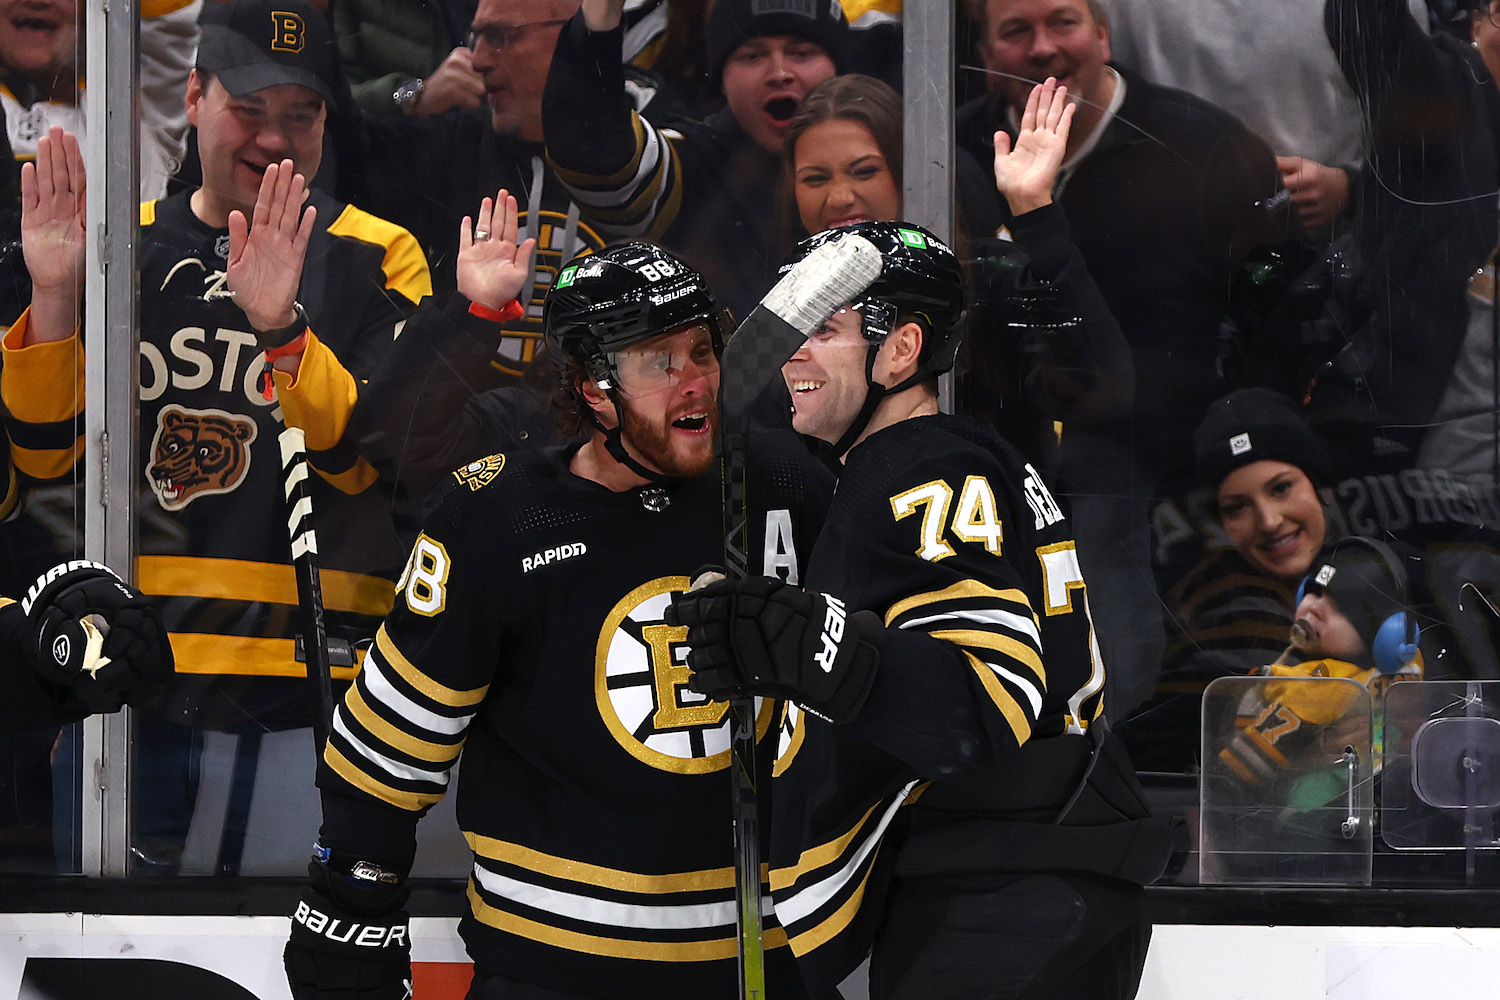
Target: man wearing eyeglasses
[427,172]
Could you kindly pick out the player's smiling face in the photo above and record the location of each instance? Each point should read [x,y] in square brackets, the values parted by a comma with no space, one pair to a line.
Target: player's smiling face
[1272,513]
[240,135]
[842,178]
[668,389]
[38,36]
[766,78]
[826,377]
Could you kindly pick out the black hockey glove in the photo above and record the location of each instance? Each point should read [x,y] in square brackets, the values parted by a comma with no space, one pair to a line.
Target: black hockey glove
[761,636]
[95,639]
[350,936]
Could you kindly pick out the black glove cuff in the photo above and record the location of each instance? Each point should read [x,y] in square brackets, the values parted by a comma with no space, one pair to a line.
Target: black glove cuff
[847,698]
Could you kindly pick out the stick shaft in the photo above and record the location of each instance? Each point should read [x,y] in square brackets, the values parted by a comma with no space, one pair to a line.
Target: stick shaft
[304,541]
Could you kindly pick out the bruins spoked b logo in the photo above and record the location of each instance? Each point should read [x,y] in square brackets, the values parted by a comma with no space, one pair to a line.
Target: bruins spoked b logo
[640,684]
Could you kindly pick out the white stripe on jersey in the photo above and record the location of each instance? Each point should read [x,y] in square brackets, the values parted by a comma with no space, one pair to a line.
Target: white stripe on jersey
[1027,687]
[607,912]
[380,688]
[805,902]
[1024,624]
[384,763]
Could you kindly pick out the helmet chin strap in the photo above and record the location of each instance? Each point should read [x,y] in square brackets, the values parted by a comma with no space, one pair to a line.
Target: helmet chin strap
[874,393]
[615,445]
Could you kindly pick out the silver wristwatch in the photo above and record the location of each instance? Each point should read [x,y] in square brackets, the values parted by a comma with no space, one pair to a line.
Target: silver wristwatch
[407,95]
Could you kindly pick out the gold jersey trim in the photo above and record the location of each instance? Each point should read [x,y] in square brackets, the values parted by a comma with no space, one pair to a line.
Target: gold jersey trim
[439,754]
[599,876]
[962,590]
[365,782]
[440,693]
[1020,725]
[404,265]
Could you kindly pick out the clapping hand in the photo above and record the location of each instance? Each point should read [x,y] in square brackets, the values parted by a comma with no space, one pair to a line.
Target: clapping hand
[1027,174]
[492,266]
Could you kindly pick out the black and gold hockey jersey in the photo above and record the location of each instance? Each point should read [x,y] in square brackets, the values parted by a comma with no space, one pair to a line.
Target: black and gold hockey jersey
[212,538]
[528,632]
[945,531]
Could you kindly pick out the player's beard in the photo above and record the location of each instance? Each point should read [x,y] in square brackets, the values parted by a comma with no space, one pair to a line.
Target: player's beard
[653,441]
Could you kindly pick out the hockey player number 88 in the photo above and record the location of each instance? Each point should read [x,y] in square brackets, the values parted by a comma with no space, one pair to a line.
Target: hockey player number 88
[425,578]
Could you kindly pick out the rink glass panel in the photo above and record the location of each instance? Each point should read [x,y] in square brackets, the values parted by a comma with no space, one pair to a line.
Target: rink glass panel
[1152,526]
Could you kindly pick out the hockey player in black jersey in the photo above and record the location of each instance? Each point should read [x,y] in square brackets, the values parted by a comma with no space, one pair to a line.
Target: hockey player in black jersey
[944,658]
[528,633]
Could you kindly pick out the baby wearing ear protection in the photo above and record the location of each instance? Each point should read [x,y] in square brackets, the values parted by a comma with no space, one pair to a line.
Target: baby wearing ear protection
[1352,621]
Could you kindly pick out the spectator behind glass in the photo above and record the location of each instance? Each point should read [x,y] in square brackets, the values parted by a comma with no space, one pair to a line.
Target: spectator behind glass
[407,58]
[1166,196]
[703,189]
[220,271]
[842,161]
[1230,614]
[1421,230]
[1267,64]
[1464,438]
[41,85]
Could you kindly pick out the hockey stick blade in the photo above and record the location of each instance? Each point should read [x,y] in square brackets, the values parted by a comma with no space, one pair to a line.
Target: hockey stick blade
[832,275]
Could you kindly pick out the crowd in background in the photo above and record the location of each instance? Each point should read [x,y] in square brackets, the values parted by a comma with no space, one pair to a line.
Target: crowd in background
[1298,198]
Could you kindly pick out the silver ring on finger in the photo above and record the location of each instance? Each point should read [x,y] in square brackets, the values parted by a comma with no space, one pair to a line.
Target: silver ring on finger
[481,234]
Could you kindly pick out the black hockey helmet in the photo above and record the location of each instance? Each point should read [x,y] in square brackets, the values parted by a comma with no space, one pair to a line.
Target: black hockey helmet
[919,277]
[602,303]
[606,301]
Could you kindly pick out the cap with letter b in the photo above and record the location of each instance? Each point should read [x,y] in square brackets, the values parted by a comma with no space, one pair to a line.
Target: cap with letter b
[253,44]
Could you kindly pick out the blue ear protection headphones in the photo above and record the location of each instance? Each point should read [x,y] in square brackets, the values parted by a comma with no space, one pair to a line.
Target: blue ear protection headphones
[1394,644]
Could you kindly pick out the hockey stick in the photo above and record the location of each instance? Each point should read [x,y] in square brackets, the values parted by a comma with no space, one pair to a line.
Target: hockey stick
[294,471]
[800,302]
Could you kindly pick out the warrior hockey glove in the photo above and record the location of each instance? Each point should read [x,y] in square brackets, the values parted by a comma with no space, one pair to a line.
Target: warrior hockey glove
[350,936]
[760,636]
[94,638]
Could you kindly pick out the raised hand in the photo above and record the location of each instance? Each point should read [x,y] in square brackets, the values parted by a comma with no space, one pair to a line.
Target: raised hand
[53,193]
[1027,174]
[492,266]
[266,253]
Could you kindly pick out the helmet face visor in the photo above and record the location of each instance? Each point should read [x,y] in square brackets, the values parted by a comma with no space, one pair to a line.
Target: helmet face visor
[664,362]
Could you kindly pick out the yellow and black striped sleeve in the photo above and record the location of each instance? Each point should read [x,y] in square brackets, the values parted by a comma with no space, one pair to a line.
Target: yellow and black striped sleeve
[624,173]
[402,724]
[320,399]
[42,387]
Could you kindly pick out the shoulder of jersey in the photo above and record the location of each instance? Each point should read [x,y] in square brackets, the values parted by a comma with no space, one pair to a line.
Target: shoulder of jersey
[478,474]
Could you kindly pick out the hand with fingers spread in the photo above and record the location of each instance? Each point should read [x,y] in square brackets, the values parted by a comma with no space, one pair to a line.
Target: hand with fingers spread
[1027,174]
[266,252]
[53,193]
[492,266]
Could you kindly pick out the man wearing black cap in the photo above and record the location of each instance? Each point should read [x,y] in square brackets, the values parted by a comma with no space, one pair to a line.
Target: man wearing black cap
[214,323]
[706,190]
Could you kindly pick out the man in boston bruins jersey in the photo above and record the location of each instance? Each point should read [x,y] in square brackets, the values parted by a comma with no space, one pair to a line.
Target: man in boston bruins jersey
[944,658]
[213,543]
[528,633]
